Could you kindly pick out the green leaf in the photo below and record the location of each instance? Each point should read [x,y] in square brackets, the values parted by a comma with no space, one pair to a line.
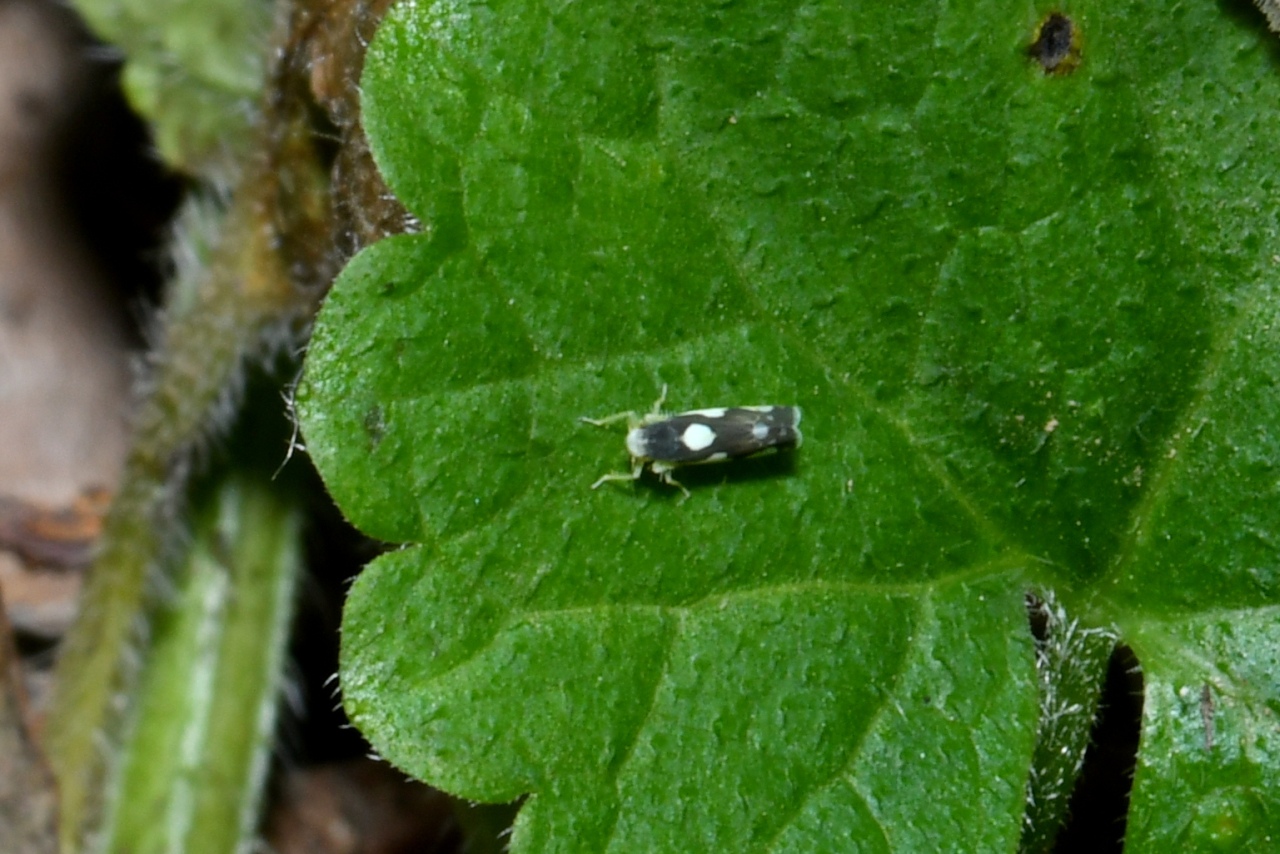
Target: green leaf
[1029,319]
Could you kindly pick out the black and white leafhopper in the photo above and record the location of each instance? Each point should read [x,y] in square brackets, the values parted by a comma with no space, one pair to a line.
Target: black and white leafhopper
[665,441]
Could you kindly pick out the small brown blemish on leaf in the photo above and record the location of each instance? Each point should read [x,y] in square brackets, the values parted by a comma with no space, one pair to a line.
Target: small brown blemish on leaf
[1057,45]
[1206,715]
[375,425]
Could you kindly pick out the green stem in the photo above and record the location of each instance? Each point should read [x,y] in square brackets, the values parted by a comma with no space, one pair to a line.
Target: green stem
[196,756]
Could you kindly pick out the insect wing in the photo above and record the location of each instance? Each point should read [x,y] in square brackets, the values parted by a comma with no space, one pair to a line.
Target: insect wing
[709,435]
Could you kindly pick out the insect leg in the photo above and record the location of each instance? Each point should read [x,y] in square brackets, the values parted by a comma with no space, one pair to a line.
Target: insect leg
[664,475]
[629,417]
[657,404]
[634,474]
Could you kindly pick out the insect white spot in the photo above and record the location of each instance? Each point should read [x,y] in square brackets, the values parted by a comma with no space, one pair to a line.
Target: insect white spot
[714,412]
[698,436]
[759,431]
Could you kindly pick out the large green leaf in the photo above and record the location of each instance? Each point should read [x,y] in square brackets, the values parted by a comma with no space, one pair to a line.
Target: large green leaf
[1029,318]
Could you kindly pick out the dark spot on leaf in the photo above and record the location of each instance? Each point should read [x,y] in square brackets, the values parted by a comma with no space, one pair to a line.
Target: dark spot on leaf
[824,301]
[398,288]
[1057,45]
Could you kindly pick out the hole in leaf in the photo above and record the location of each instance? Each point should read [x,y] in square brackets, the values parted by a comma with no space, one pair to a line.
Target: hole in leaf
[1099,806]
[1057,45]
